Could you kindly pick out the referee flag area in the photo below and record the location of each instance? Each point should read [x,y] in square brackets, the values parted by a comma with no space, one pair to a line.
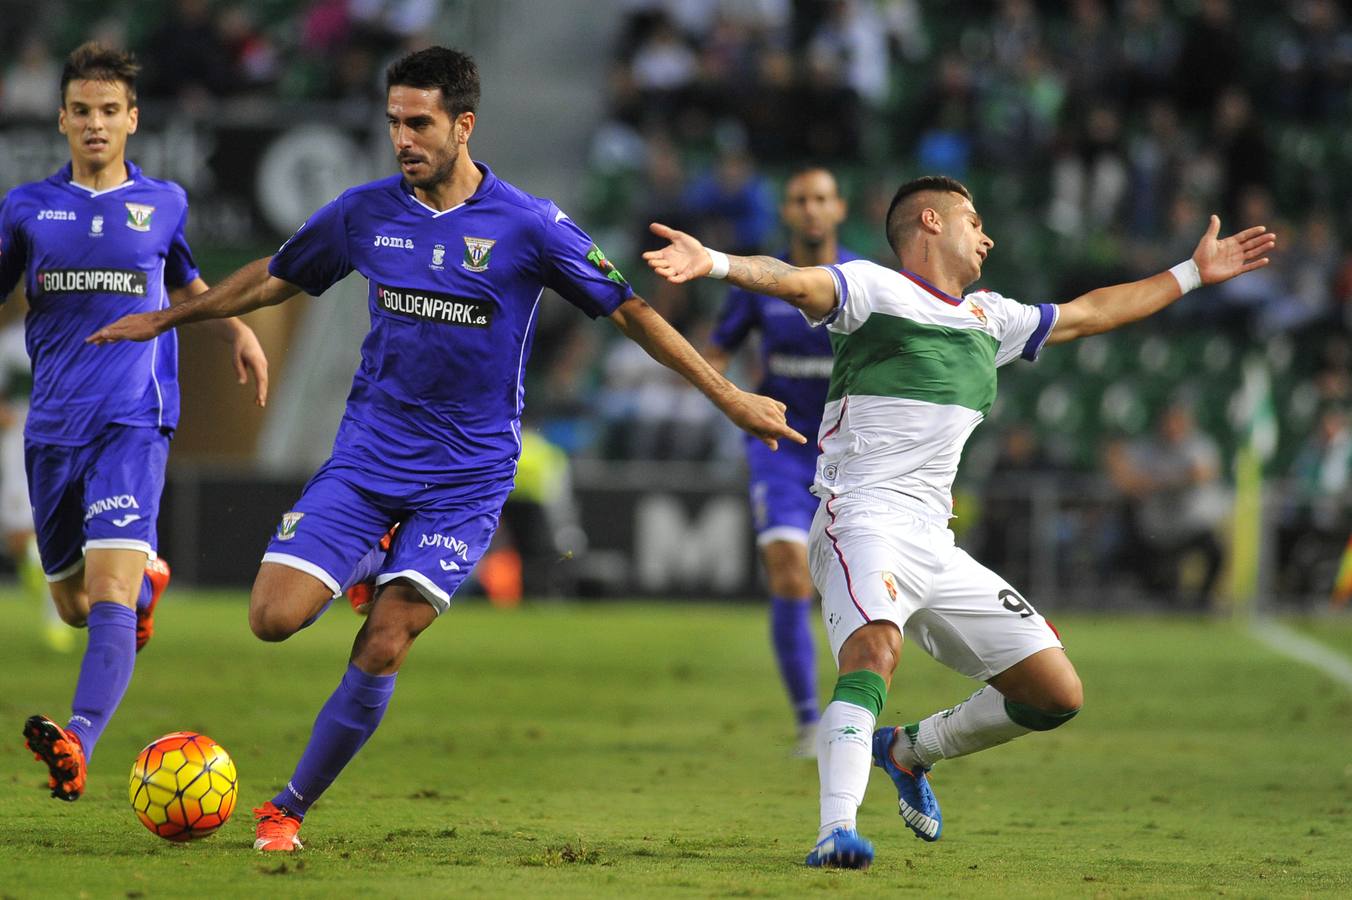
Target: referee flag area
[565,750]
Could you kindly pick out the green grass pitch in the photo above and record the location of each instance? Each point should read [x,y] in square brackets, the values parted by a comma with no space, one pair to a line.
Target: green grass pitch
[642,750]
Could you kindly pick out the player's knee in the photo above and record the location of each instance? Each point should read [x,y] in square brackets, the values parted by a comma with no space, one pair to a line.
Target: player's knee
[1058,705]
[72,616]
[380,648]
[111,587]
[790,584]
[269,622]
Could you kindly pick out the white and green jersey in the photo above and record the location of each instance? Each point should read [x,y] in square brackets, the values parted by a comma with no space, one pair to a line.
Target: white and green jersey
[914,374]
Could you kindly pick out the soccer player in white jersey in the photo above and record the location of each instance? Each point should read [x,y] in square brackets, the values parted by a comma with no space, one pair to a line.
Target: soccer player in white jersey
[914,375]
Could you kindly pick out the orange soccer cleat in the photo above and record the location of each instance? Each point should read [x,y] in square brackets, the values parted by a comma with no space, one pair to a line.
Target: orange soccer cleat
[62,752]
[157,570]
[277,831]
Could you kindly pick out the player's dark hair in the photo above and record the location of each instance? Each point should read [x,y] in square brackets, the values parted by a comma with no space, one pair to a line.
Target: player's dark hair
[924,183]
[439,67]
[92,61]
[807,167]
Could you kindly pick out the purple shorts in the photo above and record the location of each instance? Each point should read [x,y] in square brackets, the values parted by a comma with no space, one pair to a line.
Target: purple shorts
[341,515]
[104,495]
[782,507]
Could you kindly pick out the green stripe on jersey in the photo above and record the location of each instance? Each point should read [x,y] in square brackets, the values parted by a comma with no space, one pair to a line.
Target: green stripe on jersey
[889,356]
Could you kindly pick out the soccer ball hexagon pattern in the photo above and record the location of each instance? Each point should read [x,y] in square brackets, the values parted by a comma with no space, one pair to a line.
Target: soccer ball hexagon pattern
[183,786]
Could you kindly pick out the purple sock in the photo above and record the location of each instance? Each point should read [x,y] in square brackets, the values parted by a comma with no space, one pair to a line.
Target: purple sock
[791,631]
[105,671]
[348,718]
[143,598]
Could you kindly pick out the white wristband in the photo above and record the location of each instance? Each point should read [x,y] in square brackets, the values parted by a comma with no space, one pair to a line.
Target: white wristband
[720,261]
[1187,275]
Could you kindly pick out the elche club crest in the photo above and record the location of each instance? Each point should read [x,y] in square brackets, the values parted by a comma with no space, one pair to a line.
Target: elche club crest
[979,312]
[477,252]
[138,216]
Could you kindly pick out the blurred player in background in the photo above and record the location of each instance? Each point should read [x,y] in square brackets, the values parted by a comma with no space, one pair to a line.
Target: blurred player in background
[94,241]
[915,372]
[457,261]
[16,516]
[795,362]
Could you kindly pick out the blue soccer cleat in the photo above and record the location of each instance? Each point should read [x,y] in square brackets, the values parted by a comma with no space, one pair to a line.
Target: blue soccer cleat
[843,848]
[916,802]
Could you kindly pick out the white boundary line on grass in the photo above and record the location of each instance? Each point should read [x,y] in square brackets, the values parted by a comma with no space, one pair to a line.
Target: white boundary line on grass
[1297,646]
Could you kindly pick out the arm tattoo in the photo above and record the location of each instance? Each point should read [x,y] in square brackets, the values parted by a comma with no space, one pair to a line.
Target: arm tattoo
[758,273]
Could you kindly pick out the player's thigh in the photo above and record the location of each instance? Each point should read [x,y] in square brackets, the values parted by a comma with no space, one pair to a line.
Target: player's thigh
[56,496]
[124,479]
[333,524]
[870,564]
[976,623]
[441,541]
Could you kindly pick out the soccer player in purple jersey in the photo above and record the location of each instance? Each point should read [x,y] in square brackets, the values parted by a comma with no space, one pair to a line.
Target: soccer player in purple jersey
[91,243]
[457,262]
[796,368]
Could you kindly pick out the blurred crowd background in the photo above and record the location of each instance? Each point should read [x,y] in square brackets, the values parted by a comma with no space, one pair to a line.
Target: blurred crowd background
[1096,136]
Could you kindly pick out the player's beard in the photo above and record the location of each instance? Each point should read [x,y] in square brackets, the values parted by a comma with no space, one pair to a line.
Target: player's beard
[441,173]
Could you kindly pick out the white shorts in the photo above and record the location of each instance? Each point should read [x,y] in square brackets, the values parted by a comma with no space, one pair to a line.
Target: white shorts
[872,559]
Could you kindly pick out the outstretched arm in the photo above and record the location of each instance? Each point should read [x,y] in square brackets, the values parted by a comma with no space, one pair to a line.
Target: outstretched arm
[247,289]
[812,289]
[753,413]
[245,351]
[1215,260]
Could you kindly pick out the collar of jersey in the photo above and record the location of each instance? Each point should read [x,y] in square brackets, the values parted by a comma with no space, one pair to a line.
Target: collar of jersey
[486,185]
[67,176]
[947,298]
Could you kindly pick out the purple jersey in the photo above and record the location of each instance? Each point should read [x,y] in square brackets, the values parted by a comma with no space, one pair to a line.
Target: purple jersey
[453,299]
[87,259]
[795,357]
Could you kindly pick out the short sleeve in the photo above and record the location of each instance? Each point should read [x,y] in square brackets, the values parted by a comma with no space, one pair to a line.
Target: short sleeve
[854,288]
[13,248]
[316,257]
[738,317]
[1021,328]
[179,266]
[575,267]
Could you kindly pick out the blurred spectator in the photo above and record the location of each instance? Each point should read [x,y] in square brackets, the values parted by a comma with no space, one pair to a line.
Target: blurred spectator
[1176,503]
[1314,63]
[254,61]
[1315,515]
[1087,51]
[733,202]
[663,70]
[1150,42]
[1157,157]
[1237,137]
[1089,176]
[186,58]
[1007,526]
[944,124]
[1210,59]
[1306,268]
[31,85]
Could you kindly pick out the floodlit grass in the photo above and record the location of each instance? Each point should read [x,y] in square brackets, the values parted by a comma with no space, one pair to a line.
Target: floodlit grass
[642,750]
